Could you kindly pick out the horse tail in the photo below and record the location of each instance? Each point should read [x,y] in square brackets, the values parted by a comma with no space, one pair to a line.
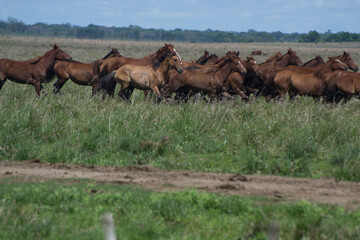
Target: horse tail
[96,70]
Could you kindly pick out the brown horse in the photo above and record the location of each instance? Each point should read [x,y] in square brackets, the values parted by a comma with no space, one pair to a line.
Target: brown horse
[207,81]
[104,67]
[238,83]
[80,73]
[207,58]
[311,83]
[34,71]
[342,85]
[146,77]
[270,69]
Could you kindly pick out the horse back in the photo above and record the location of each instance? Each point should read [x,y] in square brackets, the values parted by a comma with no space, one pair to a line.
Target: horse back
[17,70]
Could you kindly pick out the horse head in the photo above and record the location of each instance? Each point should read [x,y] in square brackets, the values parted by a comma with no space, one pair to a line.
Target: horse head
[175,63]
[204,58]
[60,54]
[234,59]
[336,64]
[113,53]
[251,65]
[347,59]
[291,58]
[166,50]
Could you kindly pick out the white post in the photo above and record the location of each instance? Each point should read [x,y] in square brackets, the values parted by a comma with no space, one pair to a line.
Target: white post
[108,225]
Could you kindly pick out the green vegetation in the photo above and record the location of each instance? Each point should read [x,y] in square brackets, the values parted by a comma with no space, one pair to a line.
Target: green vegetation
[133,32]
[301,138]
[72,210]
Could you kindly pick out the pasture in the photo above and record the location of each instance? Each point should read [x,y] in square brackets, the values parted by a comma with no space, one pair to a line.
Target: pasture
[300,138]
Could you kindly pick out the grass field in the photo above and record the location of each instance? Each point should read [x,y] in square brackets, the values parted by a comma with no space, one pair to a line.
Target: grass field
[302,138]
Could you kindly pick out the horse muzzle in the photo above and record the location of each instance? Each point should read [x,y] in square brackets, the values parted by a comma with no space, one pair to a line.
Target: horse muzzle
[179,70]
[356,69]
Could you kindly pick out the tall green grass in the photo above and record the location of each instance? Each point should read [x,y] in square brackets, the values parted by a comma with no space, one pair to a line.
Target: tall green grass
[302,138]
[72,210]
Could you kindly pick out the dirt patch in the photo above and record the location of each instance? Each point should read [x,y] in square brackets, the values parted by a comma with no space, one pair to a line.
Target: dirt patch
[279,188]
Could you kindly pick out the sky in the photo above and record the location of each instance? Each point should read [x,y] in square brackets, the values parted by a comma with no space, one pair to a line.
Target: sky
[287,16]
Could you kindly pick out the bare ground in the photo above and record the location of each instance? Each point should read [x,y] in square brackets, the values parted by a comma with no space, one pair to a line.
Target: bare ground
[280,188]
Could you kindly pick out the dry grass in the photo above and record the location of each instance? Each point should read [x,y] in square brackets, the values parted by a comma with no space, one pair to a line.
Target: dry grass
[90,50]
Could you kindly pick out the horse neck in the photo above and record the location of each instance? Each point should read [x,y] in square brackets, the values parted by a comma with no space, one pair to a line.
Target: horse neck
[283,61]
[322,70]
[223,73]
[162,70]
[47,60]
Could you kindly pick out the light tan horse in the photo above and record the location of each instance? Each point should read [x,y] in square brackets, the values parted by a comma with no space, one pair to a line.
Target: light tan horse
[150,77]
[310,84]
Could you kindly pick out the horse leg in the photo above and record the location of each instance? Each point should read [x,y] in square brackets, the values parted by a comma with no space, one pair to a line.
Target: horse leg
[58,85]
[122,93]
[157,92]
[43,90]
[2,80]
[129,92]
[37,85]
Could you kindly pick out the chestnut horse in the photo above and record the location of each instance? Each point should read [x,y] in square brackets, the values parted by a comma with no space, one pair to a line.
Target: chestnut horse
[104,67]
[347,59]
[269,70]
[34,71]
[342,85]
[311,83]
[146,77]
[80,73]
[209,81]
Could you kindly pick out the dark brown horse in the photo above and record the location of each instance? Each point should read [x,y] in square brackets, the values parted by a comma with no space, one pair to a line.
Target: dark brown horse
[34,71]
[104,67]
[308,82]
[207,81]
[146,77]
[80,73]
[242,84]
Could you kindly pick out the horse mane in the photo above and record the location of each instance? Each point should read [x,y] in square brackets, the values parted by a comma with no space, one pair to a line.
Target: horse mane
[160,52]
[113,50]
[34,60]
[316,57]
[156,64]
[50,73]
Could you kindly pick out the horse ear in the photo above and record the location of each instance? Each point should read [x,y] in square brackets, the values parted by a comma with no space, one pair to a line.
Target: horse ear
[55,46]
[237,54]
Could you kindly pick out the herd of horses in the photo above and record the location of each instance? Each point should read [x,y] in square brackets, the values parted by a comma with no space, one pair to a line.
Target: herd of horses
[211,77]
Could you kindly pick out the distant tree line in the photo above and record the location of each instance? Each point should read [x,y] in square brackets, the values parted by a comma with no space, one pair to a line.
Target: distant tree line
[15,27]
